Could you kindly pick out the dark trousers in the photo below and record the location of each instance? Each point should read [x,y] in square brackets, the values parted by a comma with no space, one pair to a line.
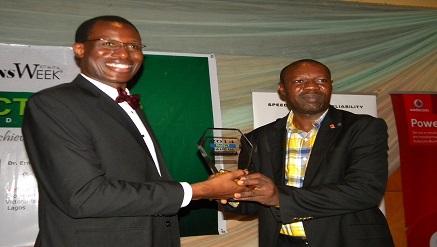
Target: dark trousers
[289,241]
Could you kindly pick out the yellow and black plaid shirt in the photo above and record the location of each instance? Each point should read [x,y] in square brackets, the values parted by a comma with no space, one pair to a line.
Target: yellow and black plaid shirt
[298,150]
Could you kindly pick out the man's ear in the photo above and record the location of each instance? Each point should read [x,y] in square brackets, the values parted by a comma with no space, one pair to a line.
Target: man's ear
[78,49]
[281,88]
[281,91]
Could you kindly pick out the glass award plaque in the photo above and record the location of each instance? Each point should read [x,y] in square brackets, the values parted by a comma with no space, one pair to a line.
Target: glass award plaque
[221,148]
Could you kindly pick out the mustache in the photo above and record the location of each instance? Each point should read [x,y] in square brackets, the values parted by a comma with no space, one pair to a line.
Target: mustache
[312,94]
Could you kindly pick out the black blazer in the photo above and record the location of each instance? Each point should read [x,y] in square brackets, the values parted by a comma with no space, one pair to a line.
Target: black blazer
[344,182]
[98,184]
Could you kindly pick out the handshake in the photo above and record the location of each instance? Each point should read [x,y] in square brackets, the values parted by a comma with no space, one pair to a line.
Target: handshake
[237,185]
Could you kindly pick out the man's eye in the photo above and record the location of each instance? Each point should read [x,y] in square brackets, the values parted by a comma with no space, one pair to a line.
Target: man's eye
[109,44]
[133,47]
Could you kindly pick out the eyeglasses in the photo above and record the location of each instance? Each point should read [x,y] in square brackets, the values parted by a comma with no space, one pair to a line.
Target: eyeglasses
[113,45]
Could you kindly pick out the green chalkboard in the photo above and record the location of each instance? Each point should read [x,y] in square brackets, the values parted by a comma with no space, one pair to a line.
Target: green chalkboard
[176,97]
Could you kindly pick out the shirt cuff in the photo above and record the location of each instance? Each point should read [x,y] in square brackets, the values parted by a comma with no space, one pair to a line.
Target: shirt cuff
[188,194]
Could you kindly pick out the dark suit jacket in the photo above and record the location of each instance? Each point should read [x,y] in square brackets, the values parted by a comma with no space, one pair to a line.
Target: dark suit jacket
[98,184]
[344,182]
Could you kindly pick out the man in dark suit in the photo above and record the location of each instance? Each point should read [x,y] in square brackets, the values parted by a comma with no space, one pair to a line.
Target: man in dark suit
[101,175]
[319,173]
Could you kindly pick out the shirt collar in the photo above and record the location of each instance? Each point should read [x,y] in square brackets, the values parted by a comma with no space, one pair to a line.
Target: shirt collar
[316,123]
[110,91]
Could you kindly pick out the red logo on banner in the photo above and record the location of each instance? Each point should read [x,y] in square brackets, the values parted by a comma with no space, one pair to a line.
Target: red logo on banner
[421,114]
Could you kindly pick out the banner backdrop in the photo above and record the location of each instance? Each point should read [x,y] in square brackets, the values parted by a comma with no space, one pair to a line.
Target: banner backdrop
[175,89]
[416,122]
[268,106]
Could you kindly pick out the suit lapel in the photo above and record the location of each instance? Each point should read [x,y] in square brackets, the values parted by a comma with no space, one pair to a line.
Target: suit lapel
[328,132]
[276,144]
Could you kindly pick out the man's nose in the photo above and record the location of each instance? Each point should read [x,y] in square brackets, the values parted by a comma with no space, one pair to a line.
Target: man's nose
[122,52]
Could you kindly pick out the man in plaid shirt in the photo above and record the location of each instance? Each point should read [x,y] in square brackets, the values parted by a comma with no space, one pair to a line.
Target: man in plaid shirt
[319,173]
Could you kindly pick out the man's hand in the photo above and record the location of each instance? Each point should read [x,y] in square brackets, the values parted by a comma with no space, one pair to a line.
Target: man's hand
[219,186]
[262,190]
